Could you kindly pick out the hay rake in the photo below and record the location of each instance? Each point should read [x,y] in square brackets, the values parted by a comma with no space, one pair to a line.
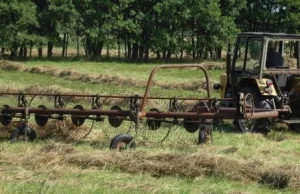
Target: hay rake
[78,114]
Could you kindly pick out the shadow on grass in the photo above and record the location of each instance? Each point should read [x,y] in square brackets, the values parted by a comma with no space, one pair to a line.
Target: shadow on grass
[226,127]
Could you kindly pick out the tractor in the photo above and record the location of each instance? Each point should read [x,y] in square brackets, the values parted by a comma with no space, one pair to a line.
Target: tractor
[266,66]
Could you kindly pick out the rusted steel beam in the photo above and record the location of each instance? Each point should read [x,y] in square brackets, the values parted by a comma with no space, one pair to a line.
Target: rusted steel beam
[113,96]
[219,115]
[229,113]
[66,111]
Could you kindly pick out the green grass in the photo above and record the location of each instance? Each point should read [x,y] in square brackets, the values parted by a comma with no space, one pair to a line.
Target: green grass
[233,163]
[134,71]
[114,182]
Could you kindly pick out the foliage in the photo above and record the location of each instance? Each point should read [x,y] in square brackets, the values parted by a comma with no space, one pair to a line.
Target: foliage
[199,29]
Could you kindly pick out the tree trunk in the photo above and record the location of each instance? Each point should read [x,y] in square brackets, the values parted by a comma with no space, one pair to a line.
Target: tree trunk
[141,51]
[164,54]
[63,45]
[49,51]
[13,53]
[205,53]
[158,55]
[97,49]
[125,47]
[21,51]
[77,42]
[182,38]
[40,52]
[146,54]
[219,53]
[2,51]
[30,51]
[135,51]
[14,50]
[66,46]
[88,49]
[193,48]
[25,53]
[193,40]
[169,54]
[211,54]
[107,50]
[181,54]
[119,49]
[129,49]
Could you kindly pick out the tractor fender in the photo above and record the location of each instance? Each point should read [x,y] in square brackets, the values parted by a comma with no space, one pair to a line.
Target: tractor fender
[222,86]
[223,83]
[260,85]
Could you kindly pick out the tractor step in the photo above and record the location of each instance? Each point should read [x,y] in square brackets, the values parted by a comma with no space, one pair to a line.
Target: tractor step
[292,121]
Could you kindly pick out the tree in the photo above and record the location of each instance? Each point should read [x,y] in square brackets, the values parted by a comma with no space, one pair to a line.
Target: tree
[17,19]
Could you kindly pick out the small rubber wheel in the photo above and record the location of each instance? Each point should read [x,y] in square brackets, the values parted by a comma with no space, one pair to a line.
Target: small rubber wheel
[205,134]
[17,133]
[122,142]
[202,137]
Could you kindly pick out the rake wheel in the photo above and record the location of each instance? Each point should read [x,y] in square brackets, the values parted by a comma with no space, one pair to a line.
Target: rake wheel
[184,132]
[76,127]
[41,119]
[156,130]
[115,125]
[42,123]
[154,123]
[78,120]
[5,118]
[115,121]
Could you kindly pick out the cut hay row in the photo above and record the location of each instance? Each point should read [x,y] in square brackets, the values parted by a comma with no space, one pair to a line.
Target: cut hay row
[102,78]
[157,164]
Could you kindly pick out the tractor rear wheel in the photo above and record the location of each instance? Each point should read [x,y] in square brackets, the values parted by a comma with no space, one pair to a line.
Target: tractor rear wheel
[295,127]
[254,125]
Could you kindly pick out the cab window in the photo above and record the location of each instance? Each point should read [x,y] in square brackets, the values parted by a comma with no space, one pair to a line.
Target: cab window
[248,55]
[253,55]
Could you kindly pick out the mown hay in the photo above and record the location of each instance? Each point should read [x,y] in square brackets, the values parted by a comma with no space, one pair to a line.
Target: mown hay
[58,155]
[111,79]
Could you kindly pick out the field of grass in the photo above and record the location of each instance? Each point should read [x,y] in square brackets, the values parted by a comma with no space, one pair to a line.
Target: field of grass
[233,163]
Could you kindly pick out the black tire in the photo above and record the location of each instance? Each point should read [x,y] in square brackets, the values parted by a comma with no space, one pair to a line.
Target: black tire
[15,135]
[122,141]
[295,127]
[31,135]
[254,125]
[202,137]
[205,134]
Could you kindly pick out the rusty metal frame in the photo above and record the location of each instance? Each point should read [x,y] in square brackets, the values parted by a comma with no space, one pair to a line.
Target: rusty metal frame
[214,113]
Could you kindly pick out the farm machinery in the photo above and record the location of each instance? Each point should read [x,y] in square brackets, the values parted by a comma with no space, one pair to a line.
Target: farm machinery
[267,66]
[80,113]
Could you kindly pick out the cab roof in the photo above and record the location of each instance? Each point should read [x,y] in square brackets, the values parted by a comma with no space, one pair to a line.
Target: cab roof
[270,35]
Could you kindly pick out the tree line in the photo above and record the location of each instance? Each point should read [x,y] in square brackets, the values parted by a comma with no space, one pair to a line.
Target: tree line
[199,29]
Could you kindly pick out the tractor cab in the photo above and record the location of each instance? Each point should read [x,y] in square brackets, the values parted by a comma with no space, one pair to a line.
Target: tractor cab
[267,66]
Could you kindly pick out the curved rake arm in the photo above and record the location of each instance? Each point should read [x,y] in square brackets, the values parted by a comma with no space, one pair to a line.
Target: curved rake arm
[150,80]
